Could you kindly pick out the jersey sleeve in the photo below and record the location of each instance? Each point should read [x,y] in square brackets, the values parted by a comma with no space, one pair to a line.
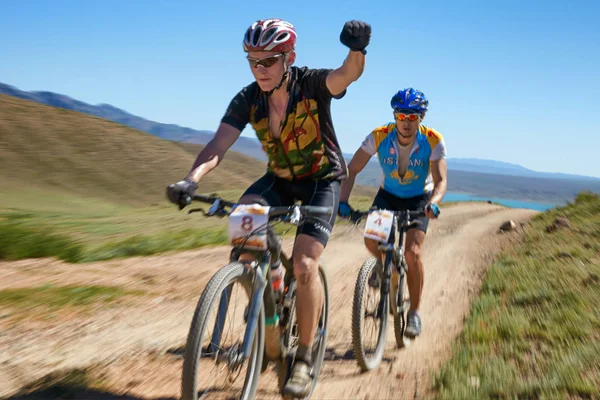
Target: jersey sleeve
[316,81]
[368,145]
[439,151]
[238,111]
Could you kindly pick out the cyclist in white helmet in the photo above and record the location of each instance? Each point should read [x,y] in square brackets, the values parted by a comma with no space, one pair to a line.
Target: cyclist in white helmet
[413,161]
[289,108]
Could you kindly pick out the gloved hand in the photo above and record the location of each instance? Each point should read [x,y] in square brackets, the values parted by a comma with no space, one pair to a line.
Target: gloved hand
[356,35]
[344,209]
[181,192]
[432,210]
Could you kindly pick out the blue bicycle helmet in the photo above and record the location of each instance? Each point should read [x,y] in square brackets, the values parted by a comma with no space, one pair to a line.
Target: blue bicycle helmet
[410,99]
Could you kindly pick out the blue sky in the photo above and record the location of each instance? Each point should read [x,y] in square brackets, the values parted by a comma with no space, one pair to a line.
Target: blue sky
[515,81]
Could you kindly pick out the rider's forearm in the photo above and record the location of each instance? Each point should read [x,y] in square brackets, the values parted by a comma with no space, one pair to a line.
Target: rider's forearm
[347,186]
[353,66]
[439,191]
[206,161]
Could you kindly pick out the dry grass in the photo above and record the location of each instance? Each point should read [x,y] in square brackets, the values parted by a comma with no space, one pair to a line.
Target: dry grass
[98,187]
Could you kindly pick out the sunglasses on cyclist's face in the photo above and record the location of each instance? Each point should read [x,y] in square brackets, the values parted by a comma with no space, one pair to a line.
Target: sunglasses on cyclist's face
[266,62]
[400,116]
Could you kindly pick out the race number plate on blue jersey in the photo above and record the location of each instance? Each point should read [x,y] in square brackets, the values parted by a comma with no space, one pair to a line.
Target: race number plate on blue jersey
[379,225]
[245,219]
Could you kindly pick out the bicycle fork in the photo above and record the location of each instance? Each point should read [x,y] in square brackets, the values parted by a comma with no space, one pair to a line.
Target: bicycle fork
[386,302]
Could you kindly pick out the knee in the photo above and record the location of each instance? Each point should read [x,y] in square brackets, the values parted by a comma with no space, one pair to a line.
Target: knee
[306,269]
[413,255]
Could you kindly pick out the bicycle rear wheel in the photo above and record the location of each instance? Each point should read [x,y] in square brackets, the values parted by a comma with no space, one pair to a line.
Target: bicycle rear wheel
[369,308]
[290,337]
[218,292]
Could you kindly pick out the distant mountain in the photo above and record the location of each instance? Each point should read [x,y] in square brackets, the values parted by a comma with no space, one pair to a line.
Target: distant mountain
[504,168]
[251,146]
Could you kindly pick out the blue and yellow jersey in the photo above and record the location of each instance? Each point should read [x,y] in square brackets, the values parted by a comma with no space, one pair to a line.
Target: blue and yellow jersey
[428,146]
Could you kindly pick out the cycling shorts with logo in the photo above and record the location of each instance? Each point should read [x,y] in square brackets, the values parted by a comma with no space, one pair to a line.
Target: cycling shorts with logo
[386,200]
[279,192]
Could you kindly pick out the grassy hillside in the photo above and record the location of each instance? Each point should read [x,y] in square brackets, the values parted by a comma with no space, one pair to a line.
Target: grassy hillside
[75,153]
[534,330]
[85,188]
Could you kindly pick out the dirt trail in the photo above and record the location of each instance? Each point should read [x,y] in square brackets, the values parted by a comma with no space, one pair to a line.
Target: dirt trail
[139,342]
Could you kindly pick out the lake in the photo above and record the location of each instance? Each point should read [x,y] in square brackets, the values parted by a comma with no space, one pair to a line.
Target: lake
[449,197]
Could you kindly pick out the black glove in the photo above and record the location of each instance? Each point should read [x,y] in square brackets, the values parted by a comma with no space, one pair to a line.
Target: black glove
[356,35]
[181,192]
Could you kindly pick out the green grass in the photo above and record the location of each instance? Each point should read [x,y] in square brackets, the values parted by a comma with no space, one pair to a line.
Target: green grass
[56,297]
[145,245]
[18,241]
[534,330]
[77,229]
[73,230]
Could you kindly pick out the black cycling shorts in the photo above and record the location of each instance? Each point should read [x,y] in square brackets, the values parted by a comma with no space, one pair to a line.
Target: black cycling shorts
[386,200]
[279,192]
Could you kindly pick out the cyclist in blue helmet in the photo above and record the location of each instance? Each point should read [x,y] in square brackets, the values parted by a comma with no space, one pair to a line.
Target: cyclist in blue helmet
[413,159]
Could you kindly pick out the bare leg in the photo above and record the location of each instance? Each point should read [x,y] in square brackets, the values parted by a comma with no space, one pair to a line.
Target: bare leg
[415,276]
[309,296]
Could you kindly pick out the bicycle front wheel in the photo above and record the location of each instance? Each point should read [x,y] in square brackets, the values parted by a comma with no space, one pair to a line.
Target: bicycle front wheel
[209,343]
[369,316]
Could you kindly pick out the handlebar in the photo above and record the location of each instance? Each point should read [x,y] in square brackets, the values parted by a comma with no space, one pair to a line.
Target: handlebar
[218,208]
[356,215]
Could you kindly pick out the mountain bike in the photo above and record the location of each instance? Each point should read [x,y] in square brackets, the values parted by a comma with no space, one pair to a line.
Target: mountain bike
[248,234]
[388,281]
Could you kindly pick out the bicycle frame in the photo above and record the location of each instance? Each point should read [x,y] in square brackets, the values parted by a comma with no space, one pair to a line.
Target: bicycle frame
[262,291]
[393,255]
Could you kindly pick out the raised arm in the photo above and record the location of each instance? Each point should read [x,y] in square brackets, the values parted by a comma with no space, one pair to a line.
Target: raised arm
[356,35]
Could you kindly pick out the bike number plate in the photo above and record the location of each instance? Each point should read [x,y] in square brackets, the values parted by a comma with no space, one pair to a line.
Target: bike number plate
[379,225]
[245,219]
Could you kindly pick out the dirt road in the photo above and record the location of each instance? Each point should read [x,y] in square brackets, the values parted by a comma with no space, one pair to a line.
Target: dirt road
[136,344]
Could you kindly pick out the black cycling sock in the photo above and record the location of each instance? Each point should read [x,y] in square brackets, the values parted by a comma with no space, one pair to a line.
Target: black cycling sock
[304,354]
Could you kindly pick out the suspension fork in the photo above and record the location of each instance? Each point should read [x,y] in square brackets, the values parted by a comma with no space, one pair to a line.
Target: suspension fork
[260,284]
[400,261]
[385,302]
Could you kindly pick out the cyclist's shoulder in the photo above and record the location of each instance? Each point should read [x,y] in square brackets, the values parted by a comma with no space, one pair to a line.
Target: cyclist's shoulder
[250,90]
[433,136]
[306,71]
[306,75]
[382,131]
[378,135]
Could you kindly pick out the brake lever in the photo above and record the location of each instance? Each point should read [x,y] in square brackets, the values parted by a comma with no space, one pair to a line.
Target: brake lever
[295,217]
[196,210]
[221,212]
[214,208]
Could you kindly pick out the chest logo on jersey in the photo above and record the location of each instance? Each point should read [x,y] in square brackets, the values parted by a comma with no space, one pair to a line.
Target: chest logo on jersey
[409,177]
[415,162]
[389,160]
